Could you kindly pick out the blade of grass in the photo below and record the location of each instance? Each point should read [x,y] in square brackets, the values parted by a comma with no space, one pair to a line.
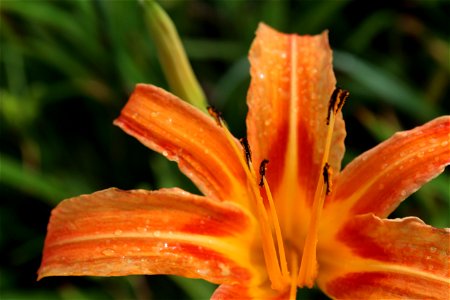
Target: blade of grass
[319,16]
[43,14]
[386,86]
[228,83]
[13,174]
[361,37]
[213,49]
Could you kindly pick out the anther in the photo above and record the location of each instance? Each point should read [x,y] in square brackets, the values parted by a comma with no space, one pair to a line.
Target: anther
[327,173]
[217,115]
[247,151]
[342,98]
[262,171]
[337,100]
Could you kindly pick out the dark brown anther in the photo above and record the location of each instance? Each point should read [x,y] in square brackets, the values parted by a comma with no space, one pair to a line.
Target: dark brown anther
[337,100]
[262,171]
[327,173]
[247,152]
[332,103]
[217,115]
[343,95]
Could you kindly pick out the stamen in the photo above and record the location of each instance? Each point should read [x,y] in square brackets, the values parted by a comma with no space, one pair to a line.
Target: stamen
[217,115]
[331,103]
[294,270]
[308,267]
[270,253]
[276,263]
[337,101]
[327,173]
[274,220]
[247,152]
[342,98]
[262,171]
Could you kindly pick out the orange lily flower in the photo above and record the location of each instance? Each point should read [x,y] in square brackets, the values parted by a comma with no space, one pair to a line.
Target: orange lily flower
[263,229]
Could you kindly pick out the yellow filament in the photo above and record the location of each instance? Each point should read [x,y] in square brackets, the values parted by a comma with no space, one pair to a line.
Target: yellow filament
[270,253]
[308,266]
[276,225]
[294,270]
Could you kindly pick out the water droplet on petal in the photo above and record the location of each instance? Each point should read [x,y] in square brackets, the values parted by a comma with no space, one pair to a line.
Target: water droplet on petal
[118,232]
[142,229]
[203,272]
[108,252]
[224,270]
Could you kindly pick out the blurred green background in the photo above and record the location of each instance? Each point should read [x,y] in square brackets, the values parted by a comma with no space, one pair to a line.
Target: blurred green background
[67,68]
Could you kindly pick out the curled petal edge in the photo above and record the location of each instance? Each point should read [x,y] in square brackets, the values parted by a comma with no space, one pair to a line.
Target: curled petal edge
[184,134]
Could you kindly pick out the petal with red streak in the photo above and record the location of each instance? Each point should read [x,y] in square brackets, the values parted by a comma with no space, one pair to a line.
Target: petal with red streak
[377,258]
[292,81]
[183,134]
[379,179]
[115,233]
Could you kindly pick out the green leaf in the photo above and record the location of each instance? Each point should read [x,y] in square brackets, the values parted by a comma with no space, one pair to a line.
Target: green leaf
[196,289]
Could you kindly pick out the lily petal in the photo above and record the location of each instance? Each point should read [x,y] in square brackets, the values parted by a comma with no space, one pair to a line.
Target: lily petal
[379,179]
[182,133]
[292,81]
[243,292]
[385,259]
[115,233]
